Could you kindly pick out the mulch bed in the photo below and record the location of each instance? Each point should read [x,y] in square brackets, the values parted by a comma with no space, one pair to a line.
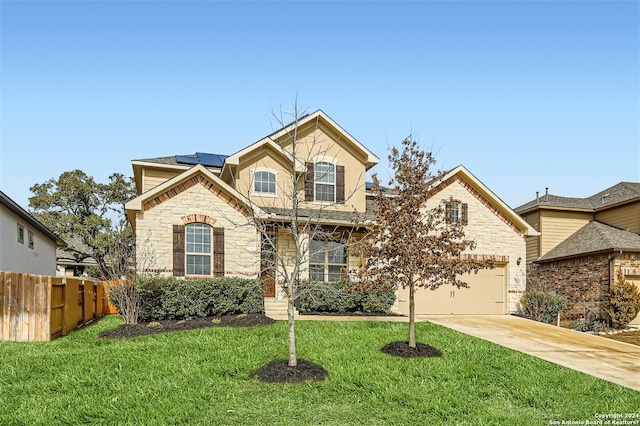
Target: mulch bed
[280,372]
[403,350]
[165,326]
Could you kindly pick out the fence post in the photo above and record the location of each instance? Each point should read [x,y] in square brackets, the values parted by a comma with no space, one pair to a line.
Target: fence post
[87,297]
[70,306]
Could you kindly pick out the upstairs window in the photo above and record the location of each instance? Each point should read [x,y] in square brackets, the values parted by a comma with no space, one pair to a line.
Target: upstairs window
[325,182]
[457,211]
[198,249]
[264,182]
[20,234]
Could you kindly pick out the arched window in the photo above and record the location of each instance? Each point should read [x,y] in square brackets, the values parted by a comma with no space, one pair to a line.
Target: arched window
[198,249]
[264,182]
[325,180]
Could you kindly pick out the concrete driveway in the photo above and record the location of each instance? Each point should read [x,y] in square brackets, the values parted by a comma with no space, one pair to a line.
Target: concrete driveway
[598,356]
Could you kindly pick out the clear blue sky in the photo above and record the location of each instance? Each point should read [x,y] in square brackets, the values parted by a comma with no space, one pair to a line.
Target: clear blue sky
[525,94]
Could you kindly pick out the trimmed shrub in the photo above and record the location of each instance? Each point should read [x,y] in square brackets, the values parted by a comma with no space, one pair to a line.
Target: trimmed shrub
[541,306]
[328,297]
[624,301]
[174,298]
[582,324]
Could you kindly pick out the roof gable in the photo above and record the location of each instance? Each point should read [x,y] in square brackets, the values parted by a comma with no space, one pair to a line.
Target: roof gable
[198,174]
[591,238]
[318,117]
[486,197]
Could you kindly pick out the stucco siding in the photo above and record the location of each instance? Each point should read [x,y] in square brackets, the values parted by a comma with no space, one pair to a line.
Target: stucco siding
[19,257]
[154,232]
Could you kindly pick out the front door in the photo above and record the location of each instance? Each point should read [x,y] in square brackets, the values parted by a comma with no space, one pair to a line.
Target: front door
[268,264]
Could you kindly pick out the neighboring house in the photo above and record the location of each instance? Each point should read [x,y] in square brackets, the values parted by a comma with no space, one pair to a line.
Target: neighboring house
[26,245]
[192,215]
[583,241]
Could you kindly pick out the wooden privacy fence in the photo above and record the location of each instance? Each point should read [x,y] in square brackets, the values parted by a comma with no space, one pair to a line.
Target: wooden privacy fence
[39,308]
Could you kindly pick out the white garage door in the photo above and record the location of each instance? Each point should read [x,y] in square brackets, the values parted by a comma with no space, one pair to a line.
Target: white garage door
[486,295]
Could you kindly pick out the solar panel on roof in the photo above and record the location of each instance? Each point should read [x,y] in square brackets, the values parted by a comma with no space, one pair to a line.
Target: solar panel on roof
[208,160]
[185,159]
[211,160]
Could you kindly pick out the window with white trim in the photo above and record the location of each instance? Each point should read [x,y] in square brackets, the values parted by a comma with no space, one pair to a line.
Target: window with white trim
[264,182]
[325,181]
[31,239]
[198,249]
[326,260]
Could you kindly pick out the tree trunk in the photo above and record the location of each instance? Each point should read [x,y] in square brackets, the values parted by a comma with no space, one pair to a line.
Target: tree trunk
[412,319]
[293,359]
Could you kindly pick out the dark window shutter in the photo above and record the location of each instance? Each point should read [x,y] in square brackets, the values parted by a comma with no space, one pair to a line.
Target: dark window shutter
[308,182]
[465,213]
[448,212]
[340,184]
[178,250]
[218,252]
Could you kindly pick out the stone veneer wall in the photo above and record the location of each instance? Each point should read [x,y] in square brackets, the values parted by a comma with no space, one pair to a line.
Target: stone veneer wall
[583,282]
[494,233]
[154,231]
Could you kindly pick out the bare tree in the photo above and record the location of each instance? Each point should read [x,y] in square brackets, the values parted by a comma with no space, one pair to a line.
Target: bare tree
[409,245]
[288,219]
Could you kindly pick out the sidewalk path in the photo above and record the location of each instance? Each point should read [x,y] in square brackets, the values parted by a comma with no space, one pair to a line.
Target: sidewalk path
[607,359]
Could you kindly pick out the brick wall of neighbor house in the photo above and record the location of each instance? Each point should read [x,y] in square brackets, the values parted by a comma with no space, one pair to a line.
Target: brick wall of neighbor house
[494,235]
[584,282]
[154,232]
[629,262]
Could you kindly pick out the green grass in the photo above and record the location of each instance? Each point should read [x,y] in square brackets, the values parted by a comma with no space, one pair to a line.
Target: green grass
[201,377]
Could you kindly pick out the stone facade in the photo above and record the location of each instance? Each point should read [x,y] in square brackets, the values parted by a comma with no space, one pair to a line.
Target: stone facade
[494,233]
[154,231]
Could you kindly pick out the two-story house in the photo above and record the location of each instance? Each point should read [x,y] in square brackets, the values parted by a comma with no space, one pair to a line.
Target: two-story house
[582,242]
[195,215]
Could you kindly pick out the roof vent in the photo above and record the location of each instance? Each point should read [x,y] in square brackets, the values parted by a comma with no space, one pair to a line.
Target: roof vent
[602,199]
[546,194]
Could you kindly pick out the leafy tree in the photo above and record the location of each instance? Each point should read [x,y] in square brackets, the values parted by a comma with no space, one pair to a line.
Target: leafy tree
[90,217]
[412,246]
[624,301]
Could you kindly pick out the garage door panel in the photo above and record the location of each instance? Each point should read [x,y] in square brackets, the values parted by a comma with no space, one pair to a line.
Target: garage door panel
[485,295]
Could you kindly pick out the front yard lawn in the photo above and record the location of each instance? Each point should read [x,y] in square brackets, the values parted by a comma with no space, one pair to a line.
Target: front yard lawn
[202,377]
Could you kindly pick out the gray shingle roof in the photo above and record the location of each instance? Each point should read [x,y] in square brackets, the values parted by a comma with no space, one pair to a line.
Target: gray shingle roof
[171,161]
[323,215]
[621,192]
[594,237]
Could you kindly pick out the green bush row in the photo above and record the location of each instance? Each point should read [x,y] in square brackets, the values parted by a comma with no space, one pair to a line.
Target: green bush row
[173,298]
[338,297]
